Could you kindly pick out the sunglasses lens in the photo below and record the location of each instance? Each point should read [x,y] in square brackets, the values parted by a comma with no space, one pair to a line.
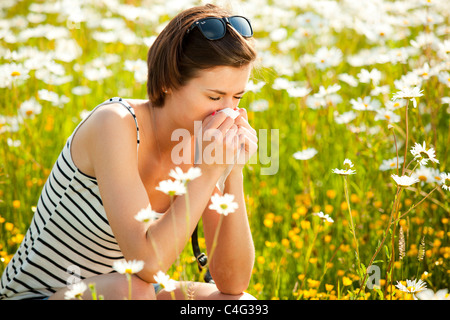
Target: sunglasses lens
[213,28]
[241,25]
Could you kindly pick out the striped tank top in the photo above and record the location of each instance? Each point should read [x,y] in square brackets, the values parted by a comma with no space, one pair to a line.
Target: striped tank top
[69,237]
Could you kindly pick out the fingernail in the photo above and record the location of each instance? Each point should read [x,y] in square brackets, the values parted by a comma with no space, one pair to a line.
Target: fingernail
[213,113]
[235,108]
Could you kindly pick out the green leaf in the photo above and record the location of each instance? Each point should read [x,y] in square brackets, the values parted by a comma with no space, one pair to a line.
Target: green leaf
[386,249]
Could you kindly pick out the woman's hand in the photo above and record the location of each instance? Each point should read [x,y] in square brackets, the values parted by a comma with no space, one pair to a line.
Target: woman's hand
[248,140]
[219,143]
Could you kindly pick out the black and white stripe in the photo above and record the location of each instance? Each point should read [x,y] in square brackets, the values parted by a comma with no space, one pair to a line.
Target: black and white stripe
[69,233]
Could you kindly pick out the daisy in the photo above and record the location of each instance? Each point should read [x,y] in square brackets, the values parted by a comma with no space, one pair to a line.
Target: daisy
[388,115]
[30,108]
[305,154]
[165,281]
[223,204]
[75,291]
[412,286]
[298,92]
[445,180]
[323,92]
[409,93]
[349,79]
[423,155]
[191,174]
[259,105]
[366,76]
[325,57]
[345,117]
[324,217]
[147,215]
[172,187]
[255,87]
[365,104]
[347,168]
[425,175]
[81,90]
[429,294]
[390,164]
[128,267]
[404,181]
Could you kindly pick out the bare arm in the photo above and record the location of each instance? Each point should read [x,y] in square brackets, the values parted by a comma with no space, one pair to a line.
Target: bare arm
[123,194]
[232,261]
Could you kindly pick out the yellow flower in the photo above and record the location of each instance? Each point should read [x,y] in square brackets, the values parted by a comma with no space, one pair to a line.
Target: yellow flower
[313,283]
[16,204]
[347,281]
[9,226]
[377,204]
[331,194]
[329,287]
[278,218]
[354,198]
[261,260]
[268,223]
[302,210]
[258,287]
[270,244]
[305,224]
[18,238]
[313,260]
[329,209]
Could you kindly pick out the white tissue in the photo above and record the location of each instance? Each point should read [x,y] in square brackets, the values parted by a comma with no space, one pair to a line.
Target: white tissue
[230,112]
[221,182]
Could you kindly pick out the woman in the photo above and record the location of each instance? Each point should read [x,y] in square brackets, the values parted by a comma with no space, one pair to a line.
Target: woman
[110,167]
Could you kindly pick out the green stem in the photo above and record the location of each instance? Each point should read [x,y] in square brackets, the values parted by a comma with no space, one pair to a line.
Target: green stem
[407,136]
[129,285]
[216,236]
[308,254]
[351,218]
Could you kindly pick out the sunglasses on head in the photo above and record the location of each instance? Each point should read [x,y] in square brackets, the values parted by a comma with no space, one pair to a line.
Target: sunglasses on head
[214,28]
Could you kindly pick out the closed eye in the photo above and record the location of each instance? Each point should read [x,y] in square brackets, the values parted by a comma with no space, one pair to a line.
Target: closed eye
[218,98]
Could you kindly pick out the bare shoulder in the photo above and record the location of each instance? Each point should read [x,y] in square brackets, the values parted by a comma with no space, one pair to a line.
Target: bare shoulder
[110,128]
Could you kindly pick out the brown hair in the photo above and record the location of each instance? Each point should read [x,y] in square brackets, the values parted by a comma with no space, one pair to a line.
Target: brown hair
[177,56]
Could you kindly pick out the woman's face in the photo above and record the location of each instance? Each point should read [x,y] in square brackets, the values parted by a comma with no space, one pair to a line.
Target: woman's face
[213,89]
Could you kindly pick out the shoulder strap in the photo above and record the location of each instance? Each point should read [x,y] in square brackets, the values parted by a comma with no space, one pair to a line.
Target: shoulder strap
[130,109]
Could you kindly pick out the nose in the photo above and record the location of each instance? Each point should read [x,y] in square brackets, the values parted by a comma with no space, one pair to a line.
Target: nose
[229,102]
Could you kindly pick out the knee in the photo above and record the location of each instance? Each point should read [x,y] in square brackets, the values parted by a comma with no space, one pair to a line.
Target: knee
[246,296]
[141,290]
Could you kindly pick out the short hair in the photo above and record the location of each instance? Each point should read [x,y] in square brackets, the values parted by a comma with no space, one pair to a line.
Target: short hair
[177,56]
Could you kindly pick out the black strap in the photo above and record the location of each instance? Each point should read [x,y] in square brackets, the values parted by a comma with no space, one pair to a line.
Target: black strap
[202,259]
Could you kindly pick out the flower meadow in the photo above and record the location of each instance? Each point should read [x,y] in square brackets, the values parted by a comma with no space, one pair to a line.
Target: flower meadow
[357,92]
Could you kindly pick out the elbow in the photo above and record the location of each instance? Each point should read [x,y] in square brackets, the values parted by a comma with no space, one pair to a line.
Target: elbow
[149,271]
[232,284]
